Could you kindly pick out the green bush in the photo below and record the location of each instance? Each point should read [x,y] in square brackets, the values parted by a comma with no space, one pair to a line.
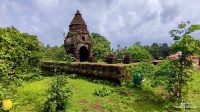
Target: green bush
[58,95]
[19,52]
[102,91]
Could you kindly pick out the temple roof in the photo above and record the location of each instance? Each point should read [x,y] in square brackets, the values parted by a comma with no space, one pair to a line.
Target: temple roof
[77,19]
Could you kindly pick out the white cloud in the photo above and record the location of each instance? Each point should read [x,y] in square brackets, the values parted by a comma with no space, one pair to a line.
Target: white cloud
[121,22]
[3,8]
[135,18]
[46,6]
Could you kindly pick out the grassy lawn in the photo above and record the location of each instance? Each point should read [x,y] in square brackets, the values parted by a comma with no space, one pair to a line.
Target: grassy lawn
[31,97]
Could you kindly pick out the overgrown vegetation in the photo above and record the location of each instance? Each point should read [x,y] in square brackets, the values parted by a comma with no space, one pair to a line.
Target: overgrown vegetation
[122,98]
[21,81]
[20,54]
[101,46]
[188,46]
[58,95]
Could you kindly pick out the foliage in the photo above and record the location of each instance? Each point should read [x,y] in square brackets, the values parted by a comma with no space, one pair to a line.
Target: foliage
[58,95]
[142,70]
[165,50]
[138,52]
[19,52]
[102,91]
[158,51]
[188,46]
[166,75]
[175,74]
[125,99]
[55,53]
[101,46]
[8,87]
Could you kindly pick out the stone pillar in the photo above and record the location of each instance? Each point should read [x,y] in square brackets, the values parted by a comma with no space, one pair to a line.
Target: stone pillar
[127,59]
[90,50]
[111,59]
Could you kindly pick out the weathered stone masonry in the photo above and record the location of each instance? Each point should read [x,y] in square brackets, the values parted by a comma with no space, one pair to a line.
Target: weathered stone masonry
[78,41]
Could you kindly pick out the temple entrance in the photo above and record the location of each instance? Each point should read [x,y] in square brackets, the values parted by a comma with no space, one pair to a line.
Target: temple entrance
[83,54]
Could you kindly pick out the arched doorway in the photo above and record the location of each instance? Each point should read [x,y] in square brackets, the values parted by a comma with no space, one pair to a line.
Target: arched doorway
[83,54]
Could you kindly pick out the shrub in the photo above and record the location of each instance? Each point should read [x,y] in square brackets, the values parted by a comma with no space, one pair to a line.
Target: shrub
[102,91]
[28,56]
[58,95]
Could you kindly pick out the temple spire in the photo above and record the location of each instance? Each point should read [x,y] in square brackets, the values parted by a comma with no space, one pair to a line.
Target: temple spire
[77,20]
[78,13]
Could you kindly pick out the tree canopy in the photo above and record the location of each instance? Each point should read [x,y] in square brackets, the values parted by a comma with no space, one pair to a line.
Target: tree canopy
[101,46]
[139,52]
[175,74]
[19,52]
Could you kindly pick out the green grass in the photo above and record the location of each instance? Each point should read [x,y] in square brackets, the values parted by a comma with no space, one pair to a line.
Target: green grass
[123,99]
[99,62]
[31,97]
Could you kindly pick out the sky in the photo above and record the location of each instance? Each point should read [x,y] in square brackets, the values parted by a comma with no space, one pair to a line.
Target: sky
[122,22]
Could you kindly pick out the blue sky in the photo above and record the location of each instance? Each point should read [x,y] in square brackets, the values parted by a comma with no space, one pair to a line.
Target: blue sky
[122,22]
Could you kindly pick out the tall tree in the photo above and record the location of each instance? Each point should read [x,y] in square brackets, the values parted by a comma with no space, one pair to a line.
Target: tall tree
[165,50]
[101,46]
[137,43]
[48,46]
[188,46]
[138,52]
[155,51]
[175,74]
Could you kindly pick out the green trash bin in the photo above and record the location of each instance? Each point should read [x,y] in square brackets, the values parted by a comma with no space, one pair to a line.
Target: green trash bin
[137,79]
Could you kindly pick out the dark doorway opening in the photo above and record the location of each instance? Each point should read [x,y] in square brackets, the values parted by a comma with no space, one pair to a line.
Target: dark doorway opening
[83,38]
[83,54]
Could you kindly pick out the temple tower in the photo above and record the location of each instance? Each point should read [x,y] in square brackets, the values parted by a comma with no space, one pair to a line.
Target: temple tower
[78,41]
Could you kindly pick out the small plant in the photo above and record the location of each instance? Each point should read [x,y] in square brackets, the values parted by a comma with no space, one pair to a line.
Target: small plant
[58,96]
[102,91]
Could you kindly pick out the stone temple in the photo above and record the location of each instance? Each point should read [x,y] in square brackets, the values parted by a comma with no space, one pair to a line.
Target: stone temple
[78,41]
